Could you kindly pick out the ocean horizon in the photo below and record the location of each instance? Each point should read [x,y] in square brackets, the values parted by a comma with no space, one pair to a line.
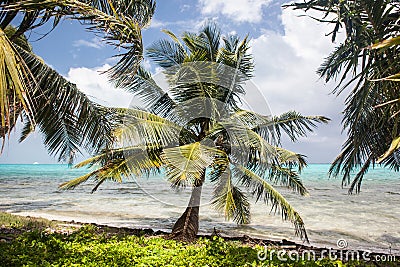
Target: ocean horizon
[367,221]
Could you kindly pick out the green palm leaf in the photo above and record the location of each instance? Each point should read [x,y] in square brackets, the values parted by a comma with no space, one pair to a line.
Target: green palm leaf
[145,127]
[292,123]
[230,200]
[142,84]
[114,170]
[15,85]
[287,177]
[186,164]
[262,189]
[76,121]
[115,164]
[113,20]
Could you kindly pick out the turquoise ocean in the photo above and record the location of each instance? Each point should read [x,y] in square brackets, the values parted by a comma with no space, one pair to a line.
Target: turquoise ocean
[369,220]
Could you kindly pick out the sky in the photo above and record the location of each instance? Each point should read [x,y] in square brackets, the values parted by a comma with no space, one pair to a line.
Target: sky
[287,50]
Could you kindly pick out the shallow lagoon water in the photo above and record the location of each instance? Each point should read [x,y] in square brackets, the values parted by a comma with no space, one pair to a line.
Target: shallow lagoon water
[369,220]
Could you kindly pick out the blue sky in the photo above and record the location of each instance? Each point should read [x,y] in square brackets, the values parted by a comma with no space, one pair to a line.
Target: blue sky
[287,51]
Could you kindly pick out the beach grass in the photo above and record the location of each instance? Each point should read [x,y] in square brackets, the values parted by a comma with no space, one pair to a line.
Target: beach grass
[8,220]
[33,245]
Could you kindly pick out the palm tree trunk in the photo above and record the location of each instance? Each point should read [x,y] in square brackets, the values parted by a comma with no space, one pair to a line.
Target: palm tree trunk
[187,226]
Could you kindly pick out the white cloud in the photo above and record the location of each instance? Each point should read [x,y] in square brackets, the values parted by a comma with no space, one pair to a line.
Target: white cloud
[286,66]
[285,74]
[97,86]
[155,23]
[93,43]
[237,10]
[191,25]
[184,7]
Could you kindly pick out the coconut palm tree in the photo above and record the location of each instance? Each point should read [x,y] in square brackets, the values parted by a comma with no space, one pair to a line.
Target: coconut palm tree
[197,132]
[371,116]
[34,92]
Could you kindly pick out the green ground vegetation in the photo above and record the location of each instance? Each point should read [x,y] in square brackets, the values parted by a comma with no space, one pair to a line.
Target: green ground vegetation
[88,246]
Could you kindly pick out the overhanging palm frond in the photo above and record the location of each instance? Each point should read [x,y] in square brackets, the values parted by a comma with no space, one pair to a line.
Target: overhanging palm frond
[167,54]
[368,133]
[357,64]
[76,121]
[141,11]
[15,86]
[263,190]
[230,200]
[27,20]
[112,20]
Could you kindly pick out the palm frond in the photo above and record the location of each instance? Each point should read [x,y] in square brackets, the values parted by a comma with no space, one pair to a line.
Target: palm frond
[280,169]
[166,53]
[292,123]
[76,121]
[186,164]
[394,146]
[235,53]
[286,176]
[155,98]
[249,118]
[369,132]
[291,158]
[210,40]
[244,143]
[112,20]
[263,190]
[386,43]
[229,200]
[359,65]
[116,164]
[139,126]
[114,170]
[16,86]
[27,20]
